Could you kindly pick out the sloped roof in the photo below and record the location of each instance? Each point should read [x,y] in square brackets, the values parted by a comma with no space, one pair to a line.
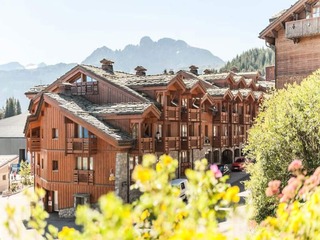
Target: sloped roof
[118,78]
[5,159]
[129,108]
[217,91]
[12,127]
[80,107]
[216,76]
[282,16]
[149,80]
[36,89]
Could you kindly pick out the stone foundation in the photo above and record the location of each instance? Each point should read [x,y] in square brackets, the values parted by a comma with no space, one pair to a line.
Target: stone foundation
[67,213]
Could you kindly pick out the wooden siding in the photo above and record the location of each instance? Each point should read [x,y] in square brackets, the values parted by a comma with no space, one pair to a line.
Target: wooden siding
[295,61]
[110,94]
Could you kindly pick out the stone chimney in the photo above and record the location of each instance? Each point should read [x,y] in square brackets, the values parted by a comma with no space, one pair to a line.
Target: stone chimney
[207,71]
[194,69]
[171,72]
[107,65]
[140,71]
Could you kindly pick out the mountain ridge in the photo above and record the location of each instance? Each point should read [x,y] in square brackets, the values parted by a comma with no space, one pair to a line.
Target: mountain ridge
[155,56]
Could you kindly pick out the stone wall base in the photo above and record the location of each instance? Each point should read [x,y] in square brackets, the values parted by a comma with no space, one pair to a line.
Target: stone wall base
[67,213]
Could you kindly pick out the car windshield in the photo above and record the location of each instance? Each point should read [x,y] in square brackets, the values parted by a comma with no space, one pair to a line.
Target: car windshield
[240,160]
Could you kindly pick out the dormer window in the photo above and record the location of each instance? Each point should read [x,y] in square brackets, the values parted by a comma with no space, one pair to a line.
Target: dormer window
[316,10]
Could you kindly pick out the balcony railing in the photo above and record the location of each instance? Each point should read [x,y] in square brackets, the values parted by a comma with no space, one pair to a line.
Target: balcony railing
[220,141]
[190,114]
[81,145]
[34,144]
[247,119]
[303,28]
[83,176]
[224,117]
[235,140]
[191,142]
[172,143]
[172,113]
[235,118]
[146,145]
[85,88]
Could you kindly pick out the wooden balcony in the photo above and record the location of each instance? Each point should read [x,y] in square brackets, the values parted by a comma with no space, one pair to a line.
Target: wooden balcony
[159,145]
[85,88]
[83,176]
[34,144]
[146,145]
[190,114]
[247,119]
[172,113]
[224,117]
[172,143]
[303,28]
[220,141]
[235,118]
[242,139]
[235,140]
[191,142]
[81,145]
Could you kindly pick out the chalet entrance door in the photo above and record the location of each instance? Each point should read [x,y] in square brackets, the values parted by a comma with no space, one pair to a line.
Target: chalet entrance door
[185,163]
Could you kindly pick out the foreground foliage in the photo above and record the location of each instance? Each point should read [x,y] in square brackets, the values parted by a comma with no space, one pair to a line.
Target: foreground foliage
[298,212]
[159,213]
[288,127]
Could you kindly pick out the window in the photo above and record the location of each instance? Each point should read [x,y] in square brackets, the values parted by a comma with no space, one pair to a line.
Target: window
[183,130]
[55,133]
[55,165]
[81,132]
[42,163]
[84,163]
[4,177]
[215,131]
[316,10]
[184,157]
[159,99]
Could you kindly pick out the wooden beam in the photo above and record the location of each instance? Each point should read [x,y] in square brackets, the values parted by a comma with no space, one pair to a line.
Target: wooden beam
[270,40]
[274,33]
[307,7]
[283,25]
[295,16]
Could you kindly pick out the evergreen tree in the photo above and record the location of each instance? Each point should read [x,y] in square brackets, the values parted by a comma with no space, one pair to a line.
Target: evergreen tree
[18,107]
[12,108]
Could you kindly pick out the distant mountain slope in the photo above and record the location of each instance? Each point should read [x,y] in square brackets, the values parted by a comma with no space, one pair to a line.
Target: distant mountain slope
[11,66]
[255,59]
[166,53]
[15,83]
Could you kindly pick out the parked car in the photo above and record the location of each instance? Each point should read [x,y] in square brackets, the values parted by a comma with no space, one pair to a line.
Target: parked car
[224,169]
[182,184]
[239,163]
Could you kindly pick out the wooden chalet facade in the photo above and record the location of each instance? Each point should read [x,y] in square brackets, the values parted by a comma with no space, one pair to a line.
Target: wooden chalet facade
[88,129]
[294,34]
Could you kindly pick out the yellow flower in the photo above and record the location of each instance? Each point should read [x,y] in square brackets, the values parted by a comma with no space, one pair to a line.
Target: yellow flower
[66,232]
[232,194]
[144,214]
[159,167]
[166,159]
[142,174]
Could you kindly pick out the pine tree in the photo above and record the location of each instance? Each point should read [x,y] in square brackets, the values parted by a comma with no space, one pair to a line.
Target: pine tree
[18,107]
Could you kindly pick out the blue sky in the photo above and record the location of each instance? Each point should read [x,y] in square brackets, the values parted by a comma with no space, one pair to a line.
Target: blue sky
[34,31]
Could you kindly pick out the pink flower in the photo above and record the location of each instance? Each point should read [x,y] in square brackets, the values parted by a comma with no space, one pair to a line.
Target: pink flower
[273,188]
[215,170]
[295,165]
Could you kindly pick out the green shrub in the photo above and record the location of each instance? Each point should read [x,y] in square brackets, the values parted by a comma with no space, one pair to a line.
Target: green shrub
[287,128]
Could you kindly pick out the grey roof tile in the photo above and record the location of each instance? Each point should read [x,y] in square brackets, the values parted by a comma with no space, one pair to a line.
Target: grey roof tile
[80,107]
